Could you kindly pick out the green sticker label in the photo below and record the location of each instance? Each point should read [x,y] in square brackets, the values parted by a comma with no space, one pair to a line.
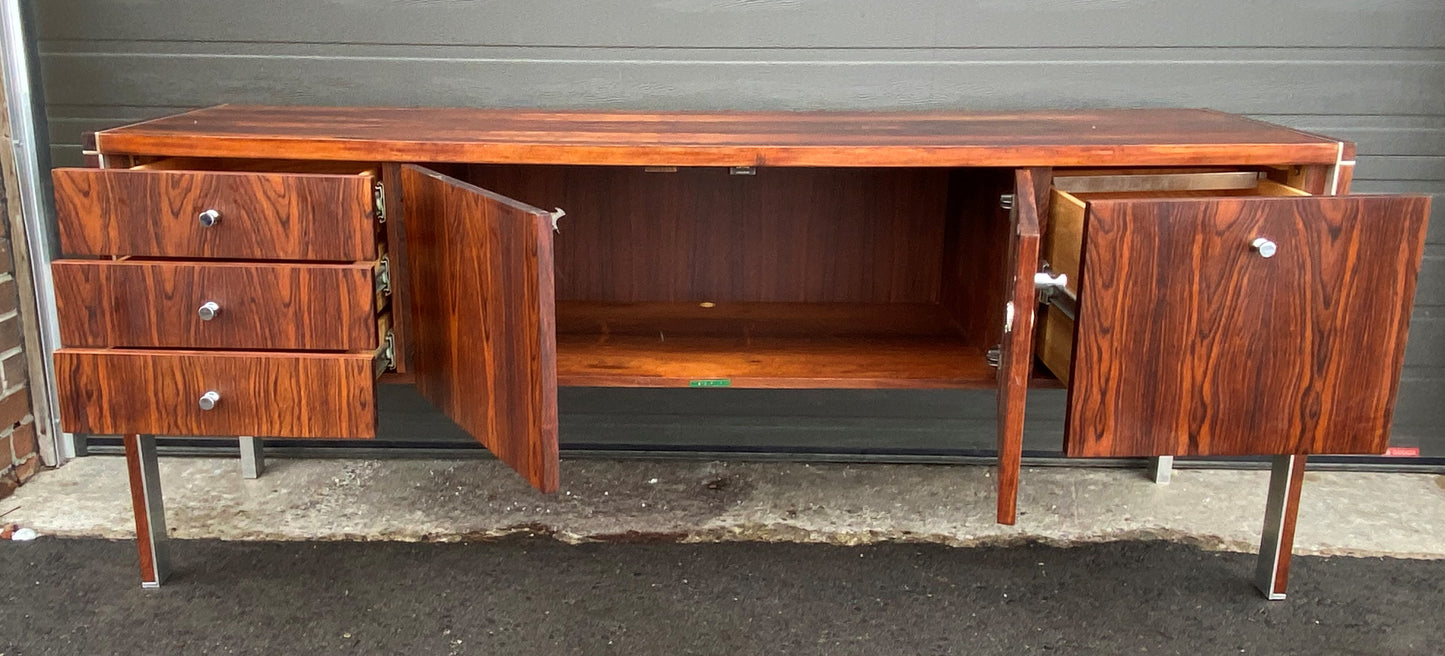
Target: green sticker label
[711,382]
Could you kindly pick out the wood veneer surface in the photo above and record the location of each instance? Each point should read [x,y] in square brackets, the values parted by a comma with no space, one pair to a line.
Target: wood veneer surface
[1135,137]
[134,303]
[1016,356]
[1177,316]
[271,216]
[483,317]
[765,345]
[700,234]
[113,391]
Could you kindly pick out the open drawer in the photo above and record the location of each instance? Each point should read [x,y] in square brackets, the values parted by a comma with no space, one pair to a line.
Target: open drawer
[199,208]
[1226,314]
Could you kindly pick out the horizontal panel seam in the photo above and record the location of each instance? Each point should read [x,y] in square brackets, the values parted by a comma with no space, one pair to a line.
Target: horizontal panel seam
[181,108]
[745,62]
[567,46]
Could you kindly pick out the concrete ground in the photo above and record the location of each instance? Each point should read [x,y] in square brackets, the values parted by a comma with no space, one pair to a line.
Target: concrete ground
[1360,514]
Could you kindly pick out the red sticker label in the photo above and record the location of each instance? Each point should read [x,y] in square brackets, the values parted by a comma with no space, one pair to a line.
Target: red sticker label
[1403,451]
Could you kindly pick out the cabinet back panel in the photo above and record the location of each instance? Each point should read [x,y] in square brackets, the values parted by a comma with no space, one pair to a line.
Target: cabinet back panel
[806,235]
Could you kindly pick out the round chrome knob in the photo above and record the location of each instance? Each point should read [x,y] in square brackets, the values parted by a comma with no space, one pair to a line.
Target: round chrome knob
[1264,247]
[210,399]
[208,310]
[209,218]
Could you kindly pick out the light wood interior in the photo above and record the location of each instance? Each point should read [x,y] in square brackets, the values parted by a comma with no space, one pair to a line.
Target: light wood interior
[1063,245]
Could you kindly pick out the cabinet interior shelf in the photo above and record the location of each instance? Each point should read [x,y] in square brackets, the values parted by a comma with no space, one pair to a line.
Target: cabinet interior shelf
[765,345]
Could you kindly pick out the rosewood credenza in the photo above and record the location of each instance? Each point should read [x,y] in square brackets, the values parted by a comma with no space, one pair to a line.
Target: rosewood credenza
[1200,282]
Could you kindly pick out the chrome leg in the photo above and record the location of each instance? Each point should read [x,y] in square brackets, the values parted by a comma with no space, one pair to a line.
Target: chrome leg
[253,460]
[150,511]
[1286,479]
[1160,468]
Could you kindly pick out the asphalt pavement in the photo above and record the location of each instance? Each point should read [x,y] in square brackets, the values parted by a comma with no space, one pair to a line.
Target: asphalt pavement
[538,596]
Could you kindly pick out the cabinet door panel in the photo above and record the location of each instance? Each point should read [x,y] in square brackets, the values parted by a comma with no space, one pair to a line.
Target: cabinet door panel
[1191,342]
[483,317]
[1016,353]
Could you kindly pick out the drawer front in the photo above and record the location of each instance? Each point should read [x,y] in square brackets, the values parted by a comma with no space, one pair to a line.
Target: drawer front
[315,307]
[1191,341]
[153,213]
[111,392]
[1063,244]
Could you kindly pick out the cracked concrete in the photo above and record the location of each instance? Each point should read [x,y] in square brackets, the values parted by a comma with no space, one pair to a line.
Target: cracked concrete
[1362,514]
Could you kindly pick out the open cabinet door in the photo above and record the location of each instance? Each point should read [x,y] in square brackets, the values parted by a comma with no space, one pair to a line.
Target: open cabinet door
[483,317]
[1016,352]
[1255,325]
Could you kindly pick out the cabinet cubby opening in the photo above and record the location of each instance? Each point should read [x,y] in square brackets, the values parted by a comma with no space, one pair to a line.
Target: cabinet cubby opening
[781,278]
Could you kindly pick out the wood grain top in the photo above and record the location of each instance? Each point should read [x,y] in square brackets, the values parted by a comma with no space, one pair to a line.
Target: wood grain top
[1141,137]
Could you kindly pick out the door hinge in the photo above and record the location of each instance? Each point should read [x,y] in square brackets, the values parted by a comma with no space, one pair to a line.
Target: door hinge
[386,359]
[994,355]
[383,276]
[378,195]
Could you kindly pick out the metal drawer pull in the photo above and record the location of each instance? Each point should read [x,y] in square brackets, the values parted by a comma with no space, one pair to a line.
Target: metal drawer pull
[210,399]
[209,310]
[1046,281]
[1264,247]
[209,218]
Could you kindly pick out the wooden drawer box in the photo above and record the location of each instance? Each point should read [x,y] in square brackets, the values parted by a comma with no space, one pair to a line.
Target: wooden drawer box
[130,303]
[113,391]
[247,210]
[1237,320]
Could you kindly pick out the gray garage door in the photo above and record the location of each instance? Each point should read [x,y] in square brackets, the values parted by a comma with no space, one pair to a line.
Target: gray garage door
[1372,72]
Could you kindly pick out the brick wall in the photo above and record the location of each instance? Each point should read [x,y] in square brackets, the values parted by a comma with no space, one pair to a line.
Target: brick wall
[19,449]
[19,458]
